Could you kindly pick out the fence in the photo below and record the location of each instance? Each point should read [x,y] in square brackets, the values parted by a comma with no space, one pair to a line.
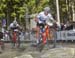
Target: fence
[61,35]
[66,35]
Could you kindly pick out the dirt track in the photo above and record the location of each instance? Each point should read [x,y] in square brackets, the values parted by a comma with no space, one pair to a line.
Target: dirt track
[27,49]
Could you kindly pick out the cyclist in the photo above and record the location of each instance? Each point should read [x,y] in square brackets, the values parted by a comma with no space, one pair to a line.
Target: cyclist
[43,18]
[14,27]
[1,39]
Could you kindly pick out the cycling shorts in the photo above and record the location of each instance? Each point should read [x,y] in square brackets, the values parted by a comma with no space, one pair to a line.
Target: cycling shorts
[41,25]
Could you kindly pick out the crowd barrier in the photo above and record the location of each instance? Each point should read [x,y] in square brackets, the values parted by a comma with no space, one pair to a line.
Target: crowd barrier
[66,35]
[60,35]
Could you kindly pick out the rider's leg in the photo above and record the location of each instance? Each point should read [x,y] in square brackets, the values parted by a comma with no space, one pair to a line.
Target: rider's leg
[45,34]
[14,39]
[37,34]
[18,40]
[0,47]
[13,43]
[50,35]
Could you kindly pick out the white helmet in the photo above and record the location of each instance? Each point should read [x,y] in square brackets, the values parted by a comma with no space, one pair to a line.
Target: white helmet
[47,9]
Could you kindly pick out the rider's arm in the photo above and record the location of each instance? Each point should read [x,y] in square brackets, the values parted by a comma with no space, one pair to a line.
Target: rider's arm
[10,26]
[36,19]
[51,18]
[38,16]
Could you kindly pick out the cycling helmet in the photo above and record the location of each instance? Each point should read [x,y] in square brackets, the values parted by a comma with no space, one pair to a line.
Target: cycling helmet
[47,9]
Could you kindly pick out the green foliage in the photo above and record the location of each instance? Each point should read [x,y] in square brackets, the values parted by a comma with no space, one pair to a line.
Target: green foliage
[65,10]
[18,8]
[13,14]
[17,1]
[2,15]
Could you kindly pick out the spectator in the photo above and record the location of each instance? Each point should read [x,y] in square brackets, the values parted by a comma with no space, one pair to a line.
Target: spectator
[62,26]
[68,26]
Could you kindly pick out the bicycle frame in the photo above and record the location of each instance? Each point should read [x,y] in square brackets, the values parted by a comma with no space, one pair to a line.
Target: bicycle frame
[16,39]
[44,34]
[47,34]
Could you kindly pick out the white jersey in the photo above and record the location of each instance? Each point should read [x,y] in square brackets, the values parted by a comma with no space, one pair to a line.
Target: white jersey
[12,26]
[42,17]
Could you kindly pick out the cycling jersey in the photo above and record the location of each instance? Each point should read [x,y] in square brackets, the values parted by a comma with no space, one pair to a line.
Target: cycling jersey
[14,27]
[42,18]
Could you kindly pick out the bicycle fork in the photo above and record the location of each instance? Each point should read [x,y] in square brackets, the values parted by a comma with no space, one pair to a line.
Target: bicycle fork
[16,40]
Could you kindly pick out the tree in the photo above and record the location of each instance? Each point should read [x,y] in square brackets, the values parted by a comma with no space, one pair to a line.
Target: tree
[9,9]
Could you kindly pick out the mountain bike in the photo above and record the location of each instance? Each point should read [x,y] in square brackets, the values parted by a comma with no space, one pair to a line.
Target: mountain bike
[42,39]
[47,35]
[15,39]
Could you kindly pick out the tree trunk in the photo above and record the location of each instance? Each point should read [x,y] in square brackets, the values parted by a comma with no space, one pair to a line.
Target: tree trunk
[73,12]
[58,15]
